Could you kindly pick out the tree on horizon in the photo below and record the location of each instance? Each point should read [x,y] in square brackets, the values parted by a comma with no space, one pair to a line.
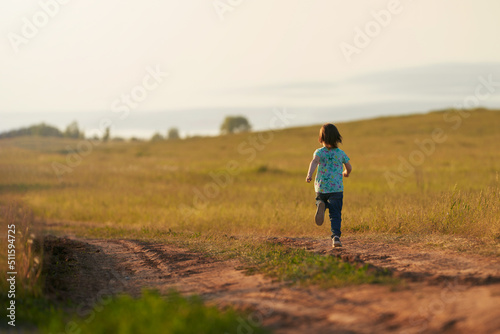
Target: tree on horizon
[72,131]
[173,134]
[235,124]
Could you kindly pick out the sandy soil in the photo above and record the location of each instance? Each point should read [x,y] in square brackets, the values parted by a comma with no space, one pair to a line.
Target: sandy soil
[445,292]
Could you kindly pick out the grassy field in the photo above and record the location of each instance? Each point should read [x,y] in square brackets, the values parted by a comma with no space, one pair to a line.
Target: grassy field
[421,178]
[254,183]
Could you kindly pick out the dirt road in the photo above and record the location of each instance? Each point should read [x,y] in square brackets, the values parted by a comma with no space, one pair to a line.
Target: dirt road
[445,292]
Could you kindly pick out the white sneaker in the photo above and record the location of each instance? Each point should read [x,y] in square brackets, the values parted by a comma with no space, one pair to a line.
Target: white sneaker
[336,242]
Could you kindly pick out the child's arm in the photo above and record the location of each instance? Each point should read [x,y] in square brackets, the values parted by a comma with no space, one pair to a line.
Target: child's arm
[348,169]
[312,167]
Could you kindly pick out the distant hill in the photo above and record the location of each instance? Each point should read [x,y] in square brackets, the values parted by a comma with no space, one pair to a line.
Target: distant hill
[44,130]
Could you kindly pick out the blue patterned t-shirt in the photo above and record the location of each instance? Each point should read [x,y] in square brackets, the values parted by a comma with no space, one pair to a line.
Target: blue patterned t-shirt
[329,177]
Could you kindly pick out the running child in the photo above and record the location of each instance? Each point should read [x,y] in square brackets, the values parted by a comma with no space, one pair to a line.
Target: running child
[329,185]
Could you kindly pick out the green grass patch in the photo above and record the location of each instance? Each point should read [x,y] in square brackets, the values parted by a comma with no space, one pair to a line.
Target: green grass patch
[301,266]
[32,312]
[153,313]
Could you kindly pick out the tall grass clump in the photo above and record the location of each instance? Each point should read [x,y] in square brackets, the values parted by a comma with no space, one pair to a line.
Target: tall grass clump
[476,214]
[31,307]
[469,213]
[28,250]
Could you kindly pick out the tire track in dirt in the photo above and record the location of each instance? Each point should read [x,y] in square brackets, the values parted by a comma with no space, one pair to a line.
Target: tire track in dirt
[150,256]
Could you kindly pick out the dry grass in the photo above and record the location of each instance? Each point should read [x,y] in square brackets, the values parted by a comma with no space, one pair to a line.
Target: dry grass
[255,185]
[27,250]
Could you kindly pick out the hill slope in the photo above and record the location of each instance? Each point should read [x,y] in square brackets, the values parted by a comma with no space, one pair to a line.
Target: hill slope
[433,173]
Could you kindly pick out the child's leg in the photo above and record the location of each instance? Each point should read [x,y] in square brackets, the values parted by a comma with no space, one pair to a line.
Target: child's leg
[335,202]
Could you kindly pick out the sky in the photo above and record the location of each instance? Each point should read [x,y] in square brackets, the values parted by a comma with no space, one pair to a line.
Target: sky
[151,65]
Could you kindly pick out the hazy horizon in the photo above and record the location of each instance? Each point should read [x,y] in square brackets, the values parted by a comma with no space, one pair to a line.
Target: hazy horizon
[150,67]
[397,92]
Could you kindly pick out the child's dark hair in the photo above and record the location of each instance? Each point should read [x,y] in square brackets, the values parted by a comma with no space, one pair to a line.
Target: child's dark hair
[330,136]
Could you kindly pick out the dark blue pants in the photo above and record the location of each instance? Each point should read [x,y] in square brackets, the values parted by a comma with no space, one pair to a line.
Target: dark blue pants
[334,203]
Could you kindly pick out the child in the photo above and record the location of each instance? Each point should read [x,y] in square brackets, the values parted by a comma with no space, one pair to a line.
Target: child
[329,183]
